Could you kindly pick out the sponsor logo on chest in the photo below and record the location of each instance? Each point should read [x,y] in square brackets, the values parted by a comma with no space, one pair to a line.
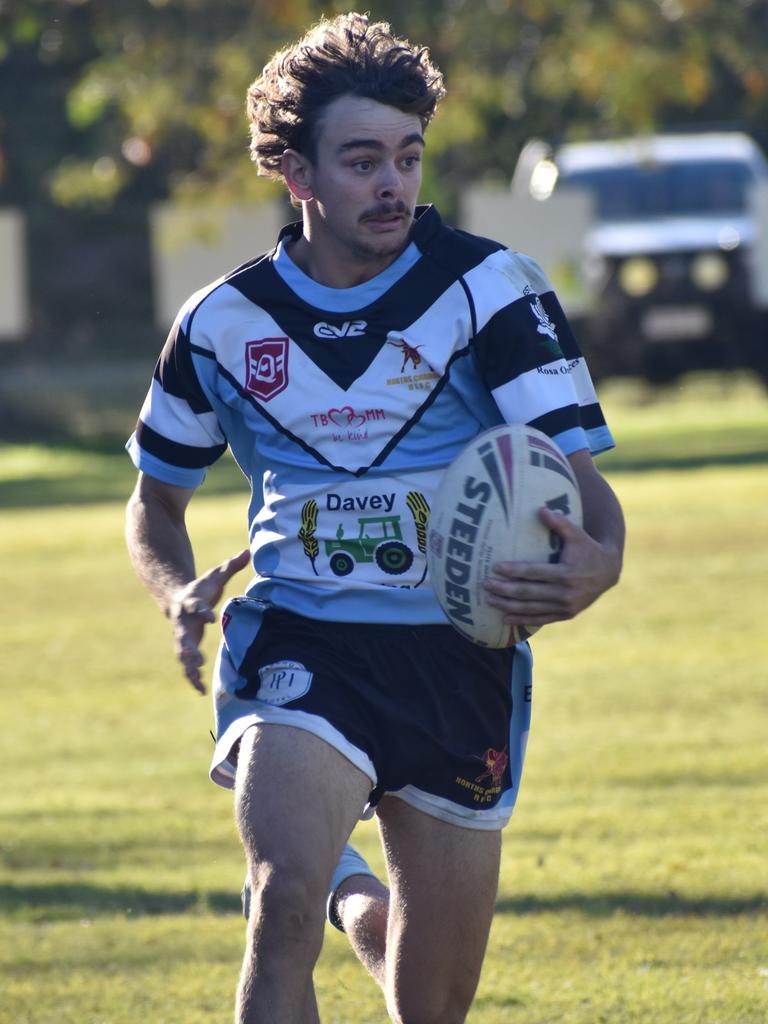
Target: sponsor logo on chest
[349,329]
[335,502]
[266,367]
[347,423]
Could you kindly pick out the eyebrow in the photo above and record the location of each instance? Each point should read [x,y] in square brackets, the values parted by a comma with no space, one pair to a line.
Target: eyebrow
[408,140]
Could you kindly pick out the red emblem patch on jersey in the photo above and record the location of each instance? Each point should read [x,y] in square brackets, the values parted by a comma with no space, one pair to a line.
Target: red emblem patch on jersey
[266,367]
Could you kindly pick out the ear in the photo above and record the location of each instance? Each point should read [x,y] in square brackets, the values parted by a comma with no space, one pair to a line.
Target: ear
[297,171]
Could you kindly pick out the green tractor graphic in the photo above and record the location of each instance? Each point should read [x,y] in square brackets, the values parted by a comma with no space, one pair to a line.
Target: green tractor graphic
[379,540]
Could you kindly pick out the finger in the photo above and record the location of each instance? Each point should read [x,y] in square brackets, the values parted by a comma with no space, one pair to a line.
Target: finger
[544,572]
[559,524]
[531,603]
[192,660]
[232,565]
[212,583]
[531,619]
[197,607]
[239,561]
[527,596]
[194,677]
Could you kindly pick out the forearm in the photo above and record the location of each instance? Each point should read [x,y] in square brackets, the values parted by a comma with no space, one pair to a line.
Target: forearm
[603,517]
[158,545]
[161,552]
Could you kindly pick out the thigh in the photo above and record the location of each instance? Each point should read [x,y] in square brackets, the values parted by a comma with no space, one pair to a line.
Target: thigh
[297,800]
[444,880]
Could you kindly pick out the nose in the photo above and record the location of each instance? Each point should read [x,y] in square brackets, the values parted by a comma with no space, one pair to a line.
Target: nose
[389,184]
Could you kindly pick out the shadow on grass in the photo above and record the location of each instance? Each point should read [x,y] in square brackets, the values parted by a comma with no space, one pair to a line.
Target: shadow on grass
[105,478]
[73,901]
[45,492]
[92,474]
[648,464]
[636,904]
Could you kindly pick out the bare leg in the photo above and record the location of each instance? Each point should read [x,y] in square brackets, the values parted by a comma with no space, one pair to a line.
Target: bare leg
[362,904]
[297,800]
[444,881]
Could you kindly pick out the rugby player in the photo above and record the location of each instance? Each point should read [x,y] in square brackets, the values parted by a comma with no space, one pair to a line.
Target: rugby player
[345,368]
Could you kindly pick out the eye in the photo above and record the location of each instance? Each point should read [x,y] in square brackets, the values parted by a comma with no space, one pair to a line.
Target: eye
[363,165]
[411,161]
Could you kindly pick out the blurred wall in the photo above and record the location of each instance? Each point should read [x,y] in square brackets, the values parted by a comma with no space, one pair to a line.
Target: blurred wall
[14,304]
[192,246]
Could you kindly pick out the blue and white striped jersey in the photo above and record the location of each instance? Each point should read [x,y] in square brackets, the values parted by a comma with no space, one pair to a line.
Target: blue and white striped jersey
[343,407]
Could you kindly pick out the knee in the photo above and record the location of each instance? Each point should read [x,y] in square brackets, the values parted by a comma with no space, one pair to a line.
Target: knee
[286,911]
[365,919]
[362,905]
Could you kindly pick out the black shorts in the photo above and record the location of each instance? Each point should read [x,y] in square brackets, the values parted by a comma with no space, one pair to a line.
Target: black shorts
[426,714]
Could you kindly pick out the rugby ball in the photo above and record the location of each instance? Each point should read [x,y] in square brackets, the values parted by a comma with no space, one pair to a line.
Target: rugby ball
[486,511]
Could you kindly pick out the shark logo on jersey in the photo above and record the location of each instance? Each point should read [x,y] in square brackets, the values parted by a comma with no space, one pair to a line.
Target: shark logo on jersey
[266,367]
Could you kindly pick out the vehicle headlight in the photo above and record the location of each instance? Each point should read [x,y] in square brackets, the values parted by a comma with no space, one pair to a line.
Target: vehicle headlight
[543,179]
[638,276]
[709,271]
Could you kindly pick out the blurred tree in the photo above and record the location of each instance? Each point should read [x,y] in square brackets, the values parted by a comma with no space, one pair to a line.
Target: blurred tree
[110,98]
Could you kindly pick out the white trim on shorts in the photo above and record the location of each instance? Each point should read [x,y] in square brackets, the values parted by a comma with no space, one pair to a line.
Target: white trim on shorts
[222,770]
[488,818]
[242,714]
[491,819]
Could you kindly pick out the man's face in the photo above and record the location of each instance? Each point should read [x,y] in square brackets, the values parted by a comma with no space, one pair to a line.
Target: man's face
[365,178]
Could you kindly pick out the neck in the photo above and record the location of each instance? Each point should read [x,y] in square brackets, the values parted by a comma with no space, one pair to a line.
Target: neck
[330,262]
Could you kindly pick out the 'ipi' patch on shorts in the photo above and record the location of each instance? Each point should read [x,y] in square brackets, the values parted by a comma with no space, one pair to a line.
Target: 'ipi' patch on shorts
[283,681]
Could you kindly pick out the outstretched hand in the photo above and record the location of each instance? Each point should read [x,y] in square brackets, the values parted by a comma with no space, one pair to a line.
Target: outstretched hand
[535,594]
[193,608]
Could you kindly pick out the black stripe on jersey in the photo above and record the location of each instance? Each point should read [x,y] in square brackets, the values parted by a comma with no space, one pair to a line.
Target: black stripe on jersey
[391,444]
[176,374]
[471,304]
[510,344]
[184,455]
[450,254]
[278,426]
[422,408]
[558,421]
[342,359]
[345,359]
[455,250]
[592,417]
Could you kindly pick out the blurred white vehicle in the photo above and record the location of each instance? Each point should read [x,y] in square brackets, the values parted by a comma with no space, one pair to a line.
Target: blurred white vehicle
[673,254]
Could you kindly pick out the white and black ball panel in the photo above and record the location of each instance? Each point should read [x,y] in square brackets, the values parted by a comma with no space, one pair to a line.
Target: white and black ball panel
[486,510]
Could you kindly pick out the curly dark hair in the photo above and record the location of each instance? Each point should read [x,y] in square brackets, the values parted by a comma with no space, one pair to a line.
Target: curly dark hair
[346,55]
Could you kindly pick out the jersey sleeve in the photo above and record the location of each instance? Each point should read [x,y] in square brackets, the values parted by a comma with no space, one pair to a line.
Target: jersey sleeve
[178,435]
[529,358]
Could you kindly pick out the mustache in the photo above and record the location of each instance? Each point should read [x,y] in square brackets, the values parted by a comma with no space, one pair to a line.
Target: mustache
[386,210]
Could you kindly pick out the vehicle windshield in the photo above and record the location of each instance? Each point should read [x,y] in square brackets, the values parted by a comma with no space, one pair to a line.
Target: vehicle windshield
[688,187]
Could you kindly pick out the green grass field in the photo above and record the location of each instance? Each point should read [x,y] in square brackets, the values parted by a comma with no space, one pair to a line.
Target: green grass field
[634,884]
